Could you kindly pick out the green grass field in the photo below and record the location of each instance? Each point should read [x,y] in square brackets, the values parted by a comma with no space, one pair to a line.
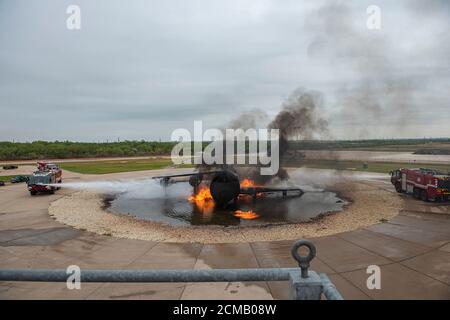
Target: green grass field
[398,145]
[6,178]
[114,166]
[380,167]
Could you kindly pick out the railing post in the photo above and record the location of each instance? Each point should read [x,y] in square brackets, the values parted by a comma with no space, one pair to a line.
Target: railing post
[304,284]
[305,288]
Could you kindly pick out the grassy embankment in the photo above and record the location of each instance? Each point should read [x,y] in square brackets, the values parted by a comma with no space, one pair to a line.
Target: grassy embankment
[102,167]
[420,146]
[114,166]
[380,167]
[6,178]
[64,150]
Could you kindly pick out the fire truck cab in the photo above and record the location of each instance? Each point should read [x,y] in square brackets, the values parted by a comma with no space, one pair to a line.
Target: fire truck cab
[42,179]
[422,183]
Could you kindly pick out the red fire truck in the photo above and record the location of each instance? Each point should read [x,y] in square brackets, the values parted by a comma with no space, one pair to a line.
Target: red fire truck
[44,178]
[425,184]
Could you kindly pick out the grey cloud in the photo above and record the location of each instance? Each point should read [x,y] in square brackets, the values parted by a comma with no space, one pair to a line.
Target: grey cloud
[144,68]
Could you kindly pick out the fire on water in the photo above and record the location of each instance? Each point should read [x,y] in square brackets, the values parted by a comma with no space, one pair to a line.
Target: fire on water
[247,215]
[203,199]
[248,183]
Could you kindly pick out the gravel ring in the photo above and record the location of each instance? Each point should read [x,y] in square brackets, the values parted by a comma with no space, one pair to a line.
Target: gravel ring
[369,205]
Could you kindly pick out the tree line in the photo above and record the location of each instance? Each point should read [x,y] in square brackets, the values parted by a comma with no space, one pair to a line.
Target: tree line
[68,149]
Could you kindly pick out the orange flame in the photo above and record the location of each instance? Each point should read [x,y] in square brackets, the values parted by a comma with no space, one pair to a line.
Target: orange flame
[246,183]
[203,200]
[247,215]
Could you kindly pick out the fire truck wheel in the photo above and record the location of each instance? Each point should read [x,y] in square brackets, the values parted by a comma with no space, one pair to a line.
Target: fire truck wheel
[416,193]
[424,195]
[398,187]
[33,193]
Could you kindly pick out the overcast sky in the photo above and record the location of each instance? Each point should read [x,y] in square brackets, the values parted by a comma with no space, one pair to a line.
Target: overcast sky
[140,69]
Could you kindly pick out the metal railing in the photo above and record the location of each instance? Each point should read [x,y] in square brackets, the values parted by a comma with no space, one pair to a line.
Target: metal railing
[304,284]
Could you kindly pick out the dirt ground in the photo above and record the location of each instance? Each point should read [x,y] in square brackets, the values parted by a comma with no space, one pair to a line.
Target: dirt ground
[21,170]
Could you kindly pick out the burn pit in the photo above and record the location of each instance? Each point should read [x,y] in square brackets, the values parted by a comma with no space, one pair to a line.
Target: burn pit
[228,199]
[197,207]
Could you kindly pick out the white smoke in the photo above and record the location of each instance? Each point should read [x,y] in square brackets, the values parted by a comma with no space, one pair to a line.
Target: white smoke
[308,179]
[132,189]
[319,178]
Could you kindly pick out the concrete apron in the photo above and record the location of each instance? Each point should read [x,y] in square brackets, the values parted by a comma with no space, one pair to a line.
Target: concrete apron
[412,250]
